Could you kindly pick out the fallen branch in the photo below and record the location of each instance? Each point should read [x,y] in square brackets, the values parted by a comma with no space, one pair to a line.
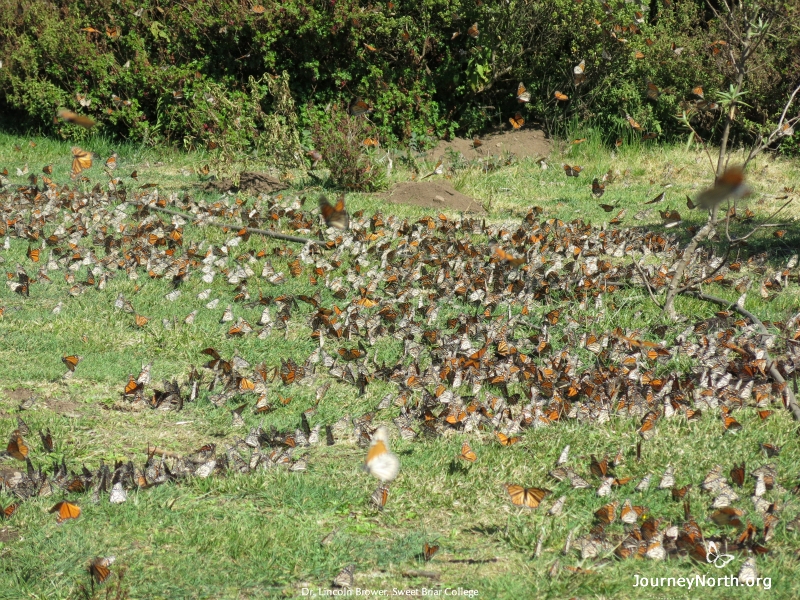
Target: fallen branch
[266,232]
[791,402]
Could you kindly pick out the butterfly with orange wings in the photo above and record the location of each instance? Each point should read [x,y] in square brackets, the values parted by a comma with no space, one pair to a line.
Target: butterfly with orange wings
[467,453]
[99,568]
[66,510]
[523,95]
[81,160]
[517,121]
[80,120]
[526,497]
[573,171]
[335,216]
[358,108]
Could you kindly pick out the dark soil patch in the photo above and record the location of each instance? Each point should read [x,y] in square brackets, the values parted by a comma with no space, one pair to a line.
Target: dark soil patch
[249,182]
[64,407]
[8,534]
[438,195]
[18,395]
[524,143]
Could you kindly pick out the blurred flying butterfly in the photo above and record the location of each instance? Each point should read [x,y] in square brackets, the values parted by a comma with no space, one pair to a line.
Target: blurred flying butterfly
[335,216]
[380,461]
[578,73]
[358,107]
[66,510]
[75,118]
[517,121]
[523,95]
[652,91]
[526,497]
[633,123]
[573,171]
[598,189]
[473,31]
[81,160]
[560,97]
[506,440]
[71,361]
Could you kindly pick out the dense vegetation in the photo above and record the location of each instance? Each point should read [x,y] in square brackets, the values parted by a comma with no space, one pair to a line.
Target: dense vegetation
[195,74]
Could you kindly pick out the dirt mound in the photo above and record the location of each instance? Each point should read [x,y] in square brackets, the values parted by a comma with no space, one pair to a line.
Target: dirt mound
[249,182]
[438,195]
[524,143]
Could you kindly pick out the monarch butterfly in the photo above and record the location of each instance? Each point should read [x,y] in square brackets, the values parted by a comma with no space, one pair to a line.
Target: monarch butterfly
[737,474]
[476,142]
[66,510]
[290,372]
[560,96]
[371,142]
[526,497]
[9,510]
[71,361]
[80,120]
[599,468]
[47,441]
[502,255]
[380,462]
[140,320]
[607,514]
[467,453]
[553,316]
[572,171]
[629,513]
[638,55]
[335,216]
[380,496]
[779,233]
[358,107]
[579,74]
[516,121]
[437,170]
[523,95]
[81,159]
[99,568]
[650,135]
[257,9]
[633,123]
[428,551]
[608,207]
[351,354]
[16,446]
[618,142]
[731,424]
[345,577]
[111,162]
[47,170]
[506,440]
[679,493]
[652,91]
[33,253]
[473,31]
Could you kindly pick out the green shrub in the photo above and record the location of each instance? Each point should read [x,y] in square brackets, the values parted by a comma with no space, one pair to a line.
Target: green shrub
[345,144]
[152,82]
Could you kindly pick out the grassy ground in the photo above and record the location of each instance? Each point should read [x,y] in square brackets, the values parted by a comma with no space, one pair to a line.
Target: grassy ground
[257,535]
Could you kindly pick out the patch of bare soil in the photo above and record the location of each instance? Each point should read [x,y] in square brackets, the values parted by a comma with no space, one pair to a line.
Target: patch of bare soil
[438,195]
[249,182]
[522,143]
[18,395]
[8,534]
[64,407]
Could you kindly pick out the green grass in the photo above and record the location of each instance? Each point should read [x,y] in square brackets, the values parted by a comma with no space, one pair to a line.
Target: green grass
[257,535]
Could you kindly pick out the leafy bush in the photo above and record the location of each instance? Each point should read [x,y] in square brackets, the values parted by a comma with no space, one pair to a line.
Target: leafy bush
[343,142]
[149,71]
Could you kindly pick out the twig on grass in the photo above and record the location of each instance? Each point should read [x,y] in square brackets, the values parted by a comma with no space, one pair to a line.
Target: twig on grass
[266,232]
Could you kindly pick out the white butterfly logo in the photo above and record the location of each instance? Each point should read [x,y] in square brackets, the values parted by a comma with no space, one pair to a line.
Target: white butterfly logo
[713,556]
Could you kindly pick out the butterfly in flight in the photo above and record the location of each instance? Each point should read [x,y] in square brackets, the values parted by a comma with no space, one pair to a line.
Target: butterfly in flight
[335,216]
